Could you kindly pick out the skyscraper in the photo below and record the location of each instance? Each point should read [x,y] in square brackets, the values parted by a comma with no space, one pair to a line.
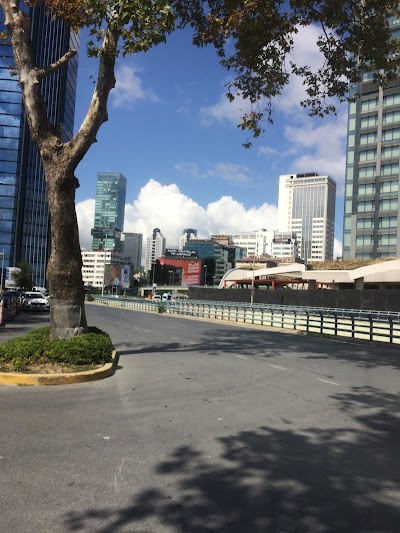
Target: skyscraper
[24,216]
[133,248]
[306,206]
[371,210]
[109,213]
[187,234]
[155,248]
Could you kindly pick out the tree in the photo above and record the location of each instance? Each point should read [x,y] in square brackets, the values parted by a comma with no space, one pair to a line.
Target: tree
[23,277]
[253,39]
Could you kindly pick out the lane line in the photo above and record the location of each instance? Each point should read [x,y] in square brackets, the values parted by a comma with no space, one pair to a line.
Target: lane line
[190,342]
[175,338]
[147,330]
[278,367]
[330,382]
[240,356]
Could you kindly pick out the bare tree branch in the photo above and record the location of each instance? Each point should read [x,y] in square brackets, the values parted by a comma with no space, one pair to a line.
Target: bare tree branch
[47,71]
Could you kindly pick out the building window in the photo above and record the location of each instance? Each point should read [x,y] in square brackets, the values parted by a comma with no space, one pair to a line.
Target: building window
[367,172]
[391,135]
[387,239]
[388,170]
[366,206]
[388,204]
[387,222]
[364,240]
[369,121]
[367,155]
[388,187]
[370,104]
[392,116]
[390,151]
[368,188]
[391,99]
[368,138]
[365,223]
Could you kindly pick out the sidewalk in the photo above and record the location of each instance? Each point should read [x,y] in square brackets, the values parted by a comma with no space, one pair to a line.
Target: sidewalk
[22,324]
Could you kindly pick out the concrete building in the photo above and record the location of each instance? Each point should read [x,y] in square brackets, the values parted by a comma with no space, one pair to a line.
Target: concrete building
[133,248]
[306,206]
[215,259]
[187,235]
[372,207]
[24,220]
[105,269]
[109,211]
[257,242]
[285,244]
[155,248]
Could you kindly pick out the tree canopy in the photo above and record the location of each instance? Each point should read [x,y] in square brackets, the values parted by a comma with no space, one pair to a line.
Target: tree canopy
[254,40]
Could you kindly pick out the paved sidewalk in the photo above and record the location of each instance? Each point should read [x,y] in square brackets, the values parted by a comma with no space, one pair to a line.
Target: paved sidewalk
[22,324]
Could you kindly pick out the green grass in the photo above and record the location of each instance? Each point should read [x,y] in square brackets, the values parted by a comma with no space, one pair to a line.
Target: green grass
[37,348]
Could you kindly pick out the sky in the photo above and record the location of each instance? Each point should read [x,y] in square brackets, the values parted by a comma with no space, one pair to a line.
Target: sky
[173,134]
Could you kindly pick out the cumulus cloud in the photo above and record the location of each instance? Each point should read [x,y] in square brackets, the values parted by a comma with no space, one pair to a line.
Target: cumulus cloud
[167,208]
[224,171]
[129,87]
[337,249]
[225,111]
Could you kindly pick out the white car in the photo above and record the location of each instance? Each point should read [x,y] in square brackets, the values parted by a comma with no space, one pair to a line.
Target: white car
[35,301]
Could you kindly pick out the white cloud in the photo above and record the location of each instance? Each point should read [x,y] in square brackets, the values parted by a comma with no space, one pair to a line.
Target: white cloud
[337,249]
[224,171]
[320,148]
[85,214]
[129,87]
[225,110]
[167,208]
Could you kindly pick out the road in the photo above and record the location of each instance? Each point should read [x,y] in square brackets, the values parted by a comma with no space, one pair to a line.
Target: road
[207,427]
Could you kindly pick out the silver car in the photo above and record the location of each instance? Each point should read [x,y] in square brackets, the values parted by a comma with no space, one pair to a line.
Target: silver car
[35,301]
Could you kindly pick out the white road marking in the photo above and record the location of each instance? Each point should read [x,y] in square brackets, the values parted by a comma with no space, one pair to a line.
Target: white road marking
[147,330]
[278,367]
[241,356]
[192,342]
[175,338]
[330,382]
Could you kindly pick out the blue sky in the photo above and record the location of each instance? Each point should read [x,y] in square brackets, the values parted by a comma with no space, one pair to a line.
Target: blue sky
[172,133]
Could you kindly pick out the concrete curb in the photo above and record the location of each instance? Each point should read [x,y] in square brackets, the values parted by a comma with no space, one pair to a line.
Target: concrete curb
[68,378]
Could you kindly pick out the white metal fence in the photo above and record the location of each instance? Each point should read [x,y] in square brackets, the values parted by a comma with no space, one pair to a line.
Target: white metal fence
[383,326]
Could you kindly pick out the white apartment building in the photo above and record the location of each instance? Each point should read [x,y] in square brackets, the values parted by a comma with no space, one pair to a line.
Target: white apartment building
[95,263]
[285,244]
[155,248]
[257,242]
[306,206]
[187,235]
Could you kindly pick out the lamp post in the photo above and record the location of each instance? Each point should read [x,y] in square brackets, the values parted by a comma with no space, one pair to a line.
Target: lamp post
[104,273]
[253,288]
[205,275]
[154,273]
[2,271]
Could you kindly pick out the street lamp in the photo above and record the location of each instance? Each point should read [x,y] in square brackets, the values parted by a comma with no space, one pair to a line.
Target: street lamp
[253,288]
[2,271]
[154,272]
[205,275]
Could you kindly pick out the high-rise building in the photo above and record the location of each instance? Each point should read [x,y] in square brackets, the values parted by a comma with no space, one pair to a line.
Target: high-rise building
[257,242]
[306,206]
[133,248]
[187,234]
[372,207]
[155,248]
[24,214]
[109,213]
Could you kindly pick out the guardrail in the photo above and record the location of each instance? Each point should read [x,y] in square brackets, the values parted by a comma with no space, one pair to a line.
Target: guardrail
[382,326]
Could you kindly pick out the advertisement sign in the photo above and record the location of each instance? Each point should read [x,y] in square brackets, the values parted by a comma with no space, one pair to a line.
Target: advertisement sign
[112,275]
[126,276]
[172,252]
[9,282]
[191,269]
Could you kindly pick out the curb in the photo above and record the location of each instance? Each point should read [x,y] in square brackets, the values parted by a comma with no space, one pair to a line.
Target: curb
[68,378]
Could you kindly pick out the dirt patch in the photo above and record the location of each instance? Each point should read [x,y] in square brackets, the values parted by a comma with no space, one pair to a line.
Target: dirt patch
[49,368]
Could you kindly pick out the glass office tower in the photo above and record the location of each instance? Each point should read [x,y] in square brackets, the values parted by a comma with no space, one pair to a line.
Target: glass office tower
[24,215]
[109,213]
[371,211]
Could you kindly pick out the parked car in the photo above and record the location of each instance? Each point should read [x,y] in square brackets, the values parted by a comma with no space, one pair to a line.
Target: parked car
[34,301]
[156,298]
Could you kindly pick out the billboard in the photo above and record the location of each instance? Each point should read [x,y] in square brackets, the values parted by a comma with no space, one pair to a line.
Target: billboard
[191,269]
[112,275]
[171,252]
[9,282]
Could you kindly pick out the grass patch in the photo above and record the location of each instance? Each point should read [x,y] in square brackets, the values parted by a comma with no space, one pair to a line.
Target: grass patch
[37,350]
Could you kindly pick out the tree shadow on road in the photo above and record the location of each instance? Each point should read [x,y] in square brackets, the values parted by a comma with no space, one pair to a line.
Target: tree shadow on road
[267,344]
[274,480]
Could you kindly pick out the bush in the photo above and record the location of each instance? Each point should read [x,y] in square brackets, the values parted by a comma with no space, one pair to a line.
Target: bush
[93,348]
[90,298]
[161,308]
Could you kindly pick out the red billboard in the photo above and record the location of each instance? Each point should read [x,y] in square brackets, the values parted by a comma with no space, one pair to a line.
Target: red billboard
[191,269]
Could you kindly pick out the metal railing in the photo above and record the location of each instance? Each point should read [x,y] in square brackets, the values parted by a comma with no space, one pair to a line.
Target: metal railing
[382,326]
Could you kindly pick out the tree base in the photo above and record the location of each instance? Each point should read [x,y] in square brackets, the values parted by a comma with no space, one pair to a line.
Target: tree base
[68,319]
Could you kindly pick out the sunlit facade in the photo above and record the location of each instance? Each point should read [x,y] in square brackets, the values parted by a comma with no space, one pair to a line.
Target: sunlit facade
[372,207]
[306,206]
[109,213]
[24,215]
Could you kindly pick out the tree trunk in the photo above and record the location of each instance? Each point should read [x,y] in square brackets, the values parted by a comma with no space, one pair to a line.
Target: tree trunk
[64,269]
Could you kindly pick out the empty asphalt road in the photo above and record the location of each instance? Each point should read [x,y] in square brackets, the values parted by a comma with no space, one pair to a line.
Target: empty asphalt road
[207,427]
